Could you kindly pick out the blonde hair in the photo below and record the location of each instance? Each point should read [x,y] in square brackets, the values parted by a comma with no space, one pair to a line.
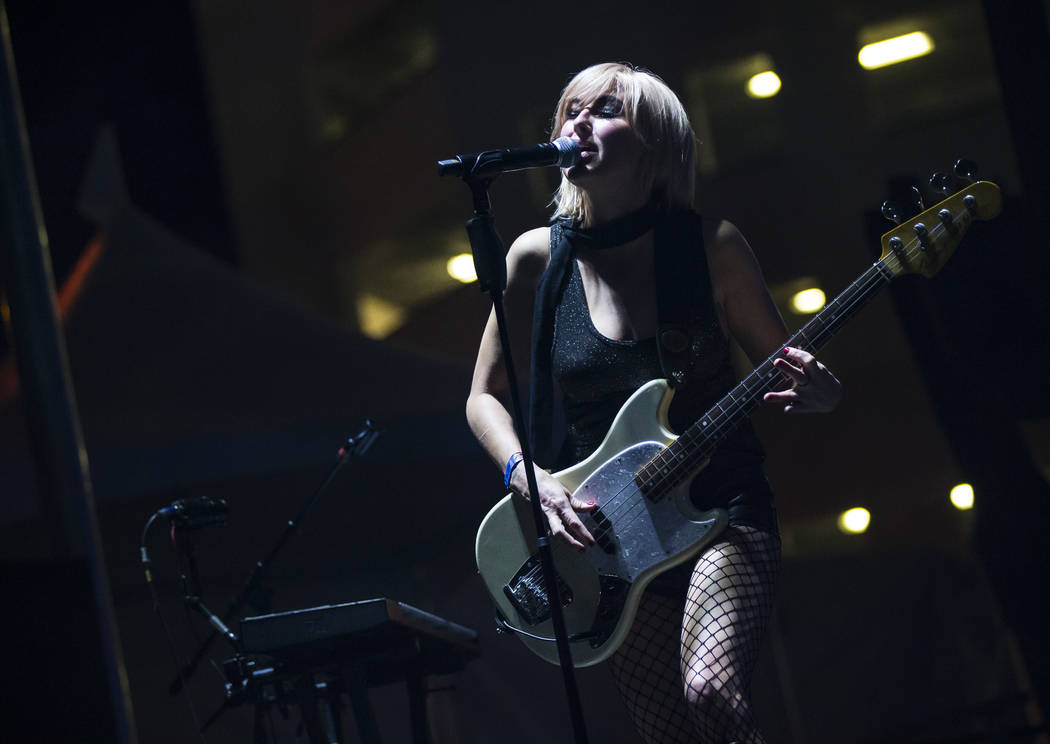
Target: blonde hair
[657,116]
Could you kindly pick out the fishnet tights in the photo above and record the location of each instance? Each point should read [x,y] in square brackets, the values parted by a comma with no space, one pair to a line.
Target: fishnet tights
[685,671]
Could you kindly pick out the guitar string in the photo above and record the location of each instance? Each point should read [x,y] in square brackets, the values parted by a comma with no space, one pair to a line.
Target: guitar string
[726,420]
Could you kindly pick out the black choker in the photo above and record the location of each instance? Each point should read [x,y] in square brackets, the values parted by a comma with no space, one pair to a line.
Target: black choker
[618,231]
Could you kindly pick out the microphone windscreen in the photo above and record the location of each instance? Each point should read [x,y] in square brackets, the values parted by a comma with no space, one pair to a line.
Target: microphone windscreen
[569,149]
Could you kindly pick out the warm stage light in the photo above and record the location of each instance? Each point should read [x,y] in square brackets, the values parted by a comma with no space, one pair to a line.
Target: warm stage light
[855,521]
[962,496]
[808,301]
[461,268]
[378,318]
[898,49]
[763,85]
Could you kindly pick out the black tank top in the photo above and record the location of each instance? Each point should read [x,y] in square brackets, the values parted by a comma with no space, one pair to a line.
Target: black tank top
[597,375]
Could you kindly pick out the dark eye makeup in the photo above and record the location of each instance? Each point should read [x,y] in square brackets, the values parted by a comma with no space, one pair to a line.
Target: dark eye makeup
[604,107]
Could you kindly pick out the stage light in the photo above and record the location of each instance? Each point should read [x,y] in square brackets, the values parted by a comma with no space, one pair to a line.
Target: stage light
[962,496]
[808,301]
[461,268]
[898,49]
[378,318]
[855,521]
[763,85]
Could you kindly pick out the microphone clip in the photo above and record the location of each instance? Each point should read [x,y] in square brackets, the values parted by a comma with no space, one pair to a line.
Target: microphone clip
[194,513]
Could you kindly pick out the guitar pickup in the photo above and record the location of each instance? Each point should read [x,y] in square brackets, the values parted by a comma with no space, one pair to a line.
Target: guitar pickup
[602,531]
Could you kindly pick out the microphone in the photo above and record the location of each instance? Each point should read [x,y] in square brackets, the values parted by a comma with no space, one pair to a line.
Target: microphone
[562,152]
[199,511]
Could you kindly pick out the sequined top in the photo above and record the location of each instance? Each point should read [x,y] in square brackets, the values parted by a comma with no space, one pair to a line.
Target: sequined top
[597,375]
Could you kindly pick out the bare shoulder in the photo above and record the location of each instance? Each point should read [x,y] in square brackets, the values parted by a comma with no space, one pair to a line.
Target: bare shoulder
[740,291]
[528,256]
[724,240]
[733,266]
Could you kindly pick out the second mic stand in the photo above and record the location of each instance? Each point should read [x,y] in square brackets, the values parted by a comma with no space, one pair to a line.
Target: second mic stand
[491,267]
[355,445]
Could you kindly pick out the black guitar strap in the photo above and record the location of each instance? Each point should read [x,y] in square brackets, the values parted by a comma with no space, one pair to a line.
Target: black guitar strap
[541,387]
[681,268]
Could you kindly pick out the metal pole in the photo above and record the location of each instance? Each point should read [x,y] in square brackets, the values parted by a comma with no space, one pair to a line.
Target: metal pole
[46,389]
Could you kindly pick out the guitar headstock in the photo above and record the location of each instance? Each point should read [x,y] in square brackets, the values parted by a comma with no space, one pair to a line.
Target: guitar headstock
[924,243]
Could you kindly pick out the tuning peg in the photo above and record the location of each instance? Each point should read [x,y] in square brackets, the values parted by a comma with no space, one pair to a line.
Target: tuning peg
[891,212]
[941,182]
[917,197]
[966,169]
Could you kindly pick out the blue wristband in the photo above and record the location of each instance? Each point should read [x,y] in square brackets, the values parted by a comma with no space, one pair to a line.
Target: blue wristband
[512,463]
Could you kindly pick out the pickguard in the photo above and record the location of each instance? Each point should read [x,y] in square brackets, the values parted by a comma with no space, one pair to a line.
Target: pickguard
[636,534]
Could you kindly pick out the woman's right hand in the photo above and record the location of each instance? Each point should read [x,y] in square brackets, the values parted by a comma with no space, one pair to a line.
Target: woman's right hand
[559,505]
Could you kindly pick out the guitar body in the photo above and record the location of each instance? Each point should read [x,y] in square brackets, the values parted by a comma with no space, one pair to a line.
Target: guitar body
[638,537]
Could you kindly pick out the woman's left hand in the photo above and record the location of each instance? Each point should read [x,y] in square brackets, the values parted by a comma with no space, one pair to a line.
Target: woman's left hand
[814,388]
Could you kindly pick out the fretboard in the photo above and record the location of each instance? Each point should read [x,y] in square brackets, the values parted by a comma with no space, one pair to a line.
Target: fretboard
[683,457]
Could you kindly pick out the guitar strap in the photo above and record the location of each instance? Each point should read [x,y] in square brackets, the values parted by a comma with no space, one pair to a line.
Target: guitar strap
[541,384]
[680,267]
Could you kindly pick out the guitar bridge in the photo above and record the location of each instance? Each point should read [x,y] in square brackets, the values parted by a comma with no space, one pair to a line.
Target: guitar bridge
[528,592]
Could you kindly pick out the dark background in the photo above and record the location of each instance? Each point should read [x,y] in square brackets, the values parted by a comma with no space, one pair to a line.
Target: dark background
[231,191]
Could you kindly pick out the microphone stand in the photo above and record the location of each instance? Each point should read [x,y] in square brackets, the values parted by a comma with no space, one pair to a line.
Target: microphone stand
[192,591]
[355,445]
[491,267]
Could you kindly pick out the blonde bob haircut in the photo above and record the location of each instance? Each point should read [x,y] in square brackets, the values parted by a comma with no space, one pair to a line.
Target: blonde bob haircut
[655,114]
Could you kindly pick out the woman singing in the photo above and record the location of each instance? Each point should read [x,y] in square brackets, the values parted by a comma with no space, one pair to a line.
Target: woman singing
[624,239]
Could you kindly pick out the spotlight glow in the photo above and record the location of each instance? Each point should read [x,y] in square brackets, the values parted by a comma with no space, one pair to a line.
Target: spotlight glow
[763,85]
[898,49]
[461,268]
[377,317]
[962,496]
[855,521]
[808,301]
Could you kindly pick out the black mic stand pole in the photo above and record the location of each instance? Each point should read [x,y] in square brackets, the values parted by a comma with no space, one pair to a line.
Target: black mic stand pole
[192,591]
[491,267]
[355,445]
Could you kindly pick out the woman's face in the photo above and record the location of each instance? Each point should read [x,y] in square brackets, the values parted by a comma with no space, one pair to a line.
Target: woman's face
[611,149]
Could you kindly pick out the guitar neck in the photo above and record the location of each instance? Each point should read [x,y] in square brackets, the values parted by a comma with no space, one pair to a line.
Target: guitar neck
[818,331]
[685,456]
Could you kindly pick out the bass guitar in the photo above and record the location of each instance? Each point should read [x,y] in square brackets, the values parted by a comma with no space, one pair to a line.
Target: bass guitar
[639,476]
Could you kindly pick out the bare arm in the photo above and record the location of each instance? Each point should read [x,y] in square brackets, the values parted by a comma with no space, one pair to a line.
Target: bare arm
[749,314]
[486,410]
